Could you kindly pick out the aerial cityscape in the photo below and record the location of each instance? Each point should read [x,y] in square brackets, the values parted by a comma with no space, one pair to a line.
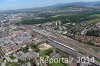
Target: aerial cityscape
[49,33]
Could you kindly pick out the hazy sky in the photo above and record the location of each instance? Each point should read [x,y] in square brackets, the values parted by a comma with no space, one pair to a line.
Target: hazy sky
[19,4]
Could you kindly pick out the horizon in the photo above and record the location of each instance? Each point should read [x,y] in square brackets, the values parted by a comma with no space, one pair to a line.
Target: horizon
[23,4]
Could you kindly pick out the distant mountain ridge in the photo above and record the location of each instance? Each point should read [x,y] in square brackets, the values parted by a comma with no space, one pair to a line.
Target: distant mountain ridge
[95,4]
[88,4]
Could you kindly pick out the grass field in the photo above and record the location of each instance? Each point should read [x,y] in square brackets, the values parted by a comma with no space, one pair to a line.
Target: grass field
[93,21]
[97,19]
[63,15]
[95,15]
[98,60]
[45,52]
[57,64]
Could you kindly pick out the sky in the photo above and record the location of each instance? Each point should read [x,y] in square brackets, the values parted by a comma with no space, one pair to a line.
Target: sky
[20,4]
